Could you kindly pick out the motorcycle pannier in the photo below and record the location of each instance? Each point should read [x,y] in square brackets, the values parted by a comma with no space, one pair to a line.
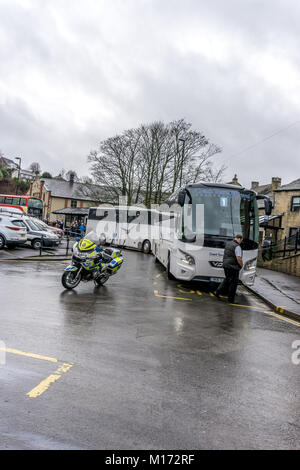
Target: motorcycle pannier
[115,265]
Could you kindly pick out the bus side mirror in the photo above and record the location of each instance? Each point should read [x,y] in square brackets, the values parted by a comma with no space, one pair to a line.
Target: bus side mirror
[268,206]
[181,198]
[267,202]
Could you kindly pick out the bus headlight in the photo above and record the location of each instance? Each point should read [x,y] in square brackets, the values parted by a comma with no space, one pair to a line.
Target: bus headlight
[251,264]
[186,258]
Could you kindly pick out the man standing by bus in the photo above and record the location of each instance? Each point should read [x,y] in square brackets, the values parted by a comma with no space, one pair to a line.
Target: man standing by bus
[232,264]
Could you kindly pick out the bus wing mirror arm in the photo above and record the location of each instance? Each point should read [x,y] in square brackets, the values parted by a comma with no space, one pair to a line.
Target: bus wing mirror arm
[268,203]
[181,198]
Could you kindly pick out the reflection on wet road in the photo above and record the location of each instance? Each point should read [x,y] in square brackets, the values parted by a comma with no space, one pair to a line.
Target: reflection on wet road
[156,364]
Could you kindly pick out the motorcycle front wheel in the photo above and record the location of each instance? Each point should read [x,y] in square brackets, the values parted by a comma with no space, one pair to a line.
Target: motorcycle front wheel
[70,279]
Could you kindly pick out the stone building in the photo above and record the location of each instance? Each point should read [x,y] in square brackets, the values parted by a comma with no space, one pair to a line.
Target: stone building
[287,202]
[65,200]
[270,226]
[285,218]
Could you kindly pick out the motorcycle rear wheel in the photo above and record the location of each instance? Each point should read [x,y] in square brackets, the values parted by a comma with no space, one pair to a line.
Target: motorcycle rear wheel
[69,280]
[102,280]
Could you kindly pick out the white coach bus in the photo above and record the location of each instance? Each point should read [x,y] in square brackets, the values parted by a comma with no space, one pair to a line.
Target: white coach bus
[128,226]
[205,217]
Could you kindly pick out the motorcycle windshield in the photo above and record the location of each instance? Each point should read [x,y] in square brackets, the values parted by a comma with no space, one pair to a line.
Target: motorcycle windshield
[93,237]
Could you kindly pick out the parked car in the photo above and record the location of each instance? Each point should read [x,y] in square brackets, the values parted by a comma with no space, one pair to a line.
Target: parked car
[38,237]
[56,230]
[12,230]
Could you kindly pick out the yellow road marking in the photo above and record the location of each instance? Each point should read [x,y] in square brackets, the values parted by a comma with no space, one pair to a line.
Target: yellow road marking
[169,297]
[184,290]
[281,317]
[35,356]
[256,306]
[247,306]
[45,384]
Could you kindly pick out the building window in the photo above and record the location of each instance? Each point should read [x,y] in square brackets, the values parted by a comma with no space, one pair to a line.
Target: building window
[293,235]
[295,204]
[73,203]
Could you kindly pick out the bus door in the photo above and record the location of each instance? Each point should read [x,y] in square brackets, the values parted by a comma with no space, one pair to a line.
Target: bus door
[138,227]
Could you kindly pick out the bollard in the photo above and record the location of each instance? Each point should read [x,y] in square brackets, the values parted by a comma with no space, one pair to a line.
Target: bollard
[68,240]
[41,246]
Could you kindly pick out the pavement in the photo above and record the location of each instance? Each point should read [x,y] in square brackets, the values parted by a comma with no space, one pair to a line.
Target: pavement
[142,363]
[279,290]
[26,252]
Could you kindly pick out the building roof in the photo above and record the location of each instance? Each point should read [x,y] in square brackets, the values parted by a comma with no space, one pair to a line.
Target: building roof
[66,189]
[73,211]
[265,189]
[293,186]
[8,162]
[266,218]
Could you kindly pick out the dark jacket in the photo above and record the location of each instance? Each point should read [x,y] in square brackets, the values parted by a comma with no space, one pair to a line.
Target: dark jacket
[230,260]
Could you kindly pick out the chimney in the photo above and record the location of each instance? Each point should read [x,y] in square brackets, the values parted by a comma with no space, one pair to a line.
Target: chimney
[254,185]
[72,176]
[235,180]
[276,183]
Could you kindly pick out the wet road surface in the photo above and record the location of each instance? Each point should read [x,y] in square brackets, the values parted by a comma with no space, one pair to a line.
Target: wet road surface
[141,363]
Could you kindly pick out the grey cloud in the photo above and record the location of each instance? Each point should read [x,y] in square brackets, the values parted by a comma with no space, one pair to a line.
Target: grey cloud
[73,75]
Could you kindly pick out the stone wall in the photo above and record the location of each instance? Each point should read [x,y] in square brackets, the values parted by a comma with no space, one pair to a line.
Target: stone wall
[288,265]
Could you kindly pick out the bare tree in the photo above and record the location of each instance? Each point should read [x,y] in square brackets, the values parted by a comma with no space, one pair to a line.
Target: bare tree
[35,168]
[148,162]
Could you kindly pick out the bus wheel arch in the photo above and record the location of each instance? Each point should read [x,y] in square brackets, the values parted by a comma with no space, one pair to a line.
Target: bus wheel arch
[169,274]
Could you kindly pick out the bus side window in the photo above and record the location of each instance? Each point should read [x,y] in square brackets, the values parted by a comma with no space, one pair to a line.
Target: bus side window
[22,202]
[8,200]
[138,217]
[2,199]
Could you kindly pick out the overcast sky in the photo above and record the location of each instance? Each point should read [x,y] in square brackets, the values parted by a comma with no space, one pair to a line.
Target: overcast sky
[74,72]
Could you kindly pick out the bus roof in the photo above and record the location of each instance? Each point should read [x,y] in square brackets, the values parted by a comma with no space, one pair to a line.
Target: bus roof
[123,207]
[214,185]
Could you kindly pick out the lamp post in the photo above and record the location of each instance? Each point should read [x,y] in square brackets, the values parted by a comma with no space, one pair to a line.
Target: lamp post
[182,159]
[18,158]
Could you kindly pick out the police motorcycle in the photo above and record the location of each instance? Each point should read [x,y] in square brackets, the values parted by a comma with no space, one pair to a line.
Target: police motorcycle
[90,262]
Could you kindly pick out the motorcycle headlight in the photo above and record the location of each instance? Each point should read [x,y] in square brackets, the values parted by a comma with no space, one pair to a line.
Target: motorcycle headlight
[251,264]
[78,253]
[186,258]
